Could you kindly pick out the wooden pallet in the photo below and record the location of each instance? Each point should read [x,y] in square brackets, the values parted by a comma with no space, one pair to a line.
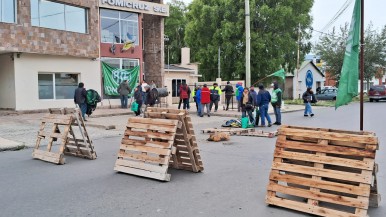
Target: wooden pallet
[323,172]
[231,131]
[187,156]
[146,148]
[79,143]
[259,133]
[56,121]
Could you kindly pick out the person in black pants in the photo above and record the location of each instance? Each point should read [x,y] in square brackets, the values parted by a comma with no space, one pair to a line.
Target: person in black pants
[138,99]
[228,94]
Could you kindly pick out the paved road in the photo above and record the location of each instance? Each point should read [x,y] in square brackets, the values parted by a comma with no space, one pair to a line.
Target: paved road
[233,183]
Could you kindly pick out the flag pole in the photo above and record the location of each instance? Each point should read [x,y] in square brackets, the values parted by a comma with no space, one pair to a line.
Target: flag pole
[362,64]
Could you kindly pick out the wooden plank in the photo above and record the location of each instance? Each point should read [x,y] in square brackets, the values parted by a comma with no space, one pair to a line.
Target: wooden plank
[321,184]
[307,208]
[142,166]
[366,179]
[329,149]
[153,121]
[57,121]
[330,198]
[145,158]
[151,135]
[164,128]
[365,139]
[143,173]
[47,156]
[158,151]
[325,159]
[329,130]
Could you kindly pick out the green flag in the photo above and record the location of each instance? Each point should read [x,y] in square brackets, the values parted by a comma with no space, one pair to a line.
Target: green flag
[348,82]
[112,77]
[280,73]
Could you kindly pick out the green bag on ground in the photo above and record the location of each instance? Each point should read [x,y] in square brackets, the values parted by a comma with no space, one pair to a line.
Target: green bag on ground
[244,122]
[134,106]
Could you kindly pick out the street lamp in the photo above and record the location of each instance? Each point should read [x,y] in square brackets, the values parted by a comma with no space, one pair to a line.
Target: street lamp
[166,39]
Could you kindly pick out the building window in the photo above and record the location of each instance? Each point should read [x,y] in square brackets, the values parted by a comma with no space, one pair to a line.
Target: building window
[57,85]
[121,63]
[176,83]
[8,11]
[119,27]
[59,16]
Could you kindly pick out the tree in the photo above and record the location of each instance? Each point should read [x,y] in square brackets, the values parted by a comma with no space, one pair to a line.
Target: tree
[175,31]
[332,47]
[274,35]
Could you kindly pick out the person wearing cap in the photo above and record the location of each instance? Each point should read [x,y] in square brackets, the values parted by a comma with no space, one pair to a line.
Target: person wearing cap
[228,94]
[215,93]
[239,92]
[262,100]
[205,100]
[276,102]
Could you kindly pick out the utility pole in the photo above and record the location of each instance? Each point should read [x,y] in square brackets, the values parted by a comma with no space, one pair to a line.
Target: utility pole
[362,62]
[219,62]
[297,67]
[247,45]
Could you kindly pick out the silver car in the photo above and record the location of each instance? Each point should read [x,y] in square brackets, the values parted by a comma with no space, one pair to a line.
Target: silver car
[327,94]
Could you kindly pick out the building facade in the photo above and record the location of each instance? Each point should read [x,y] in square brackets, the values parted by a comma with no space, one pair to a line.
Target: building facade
[49,46]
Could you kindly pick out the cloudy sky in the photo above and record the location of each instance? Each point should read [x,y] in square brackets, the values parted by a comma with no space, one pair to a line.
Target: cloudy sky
[324,10]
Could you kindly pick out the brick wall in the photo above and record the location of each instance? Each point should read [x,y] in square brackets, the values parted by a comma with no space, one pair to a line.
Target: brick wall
[22,37]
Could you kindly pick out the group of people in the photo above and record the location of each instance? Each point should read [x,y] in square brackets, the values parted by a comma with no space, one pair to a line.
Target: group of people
[205,98]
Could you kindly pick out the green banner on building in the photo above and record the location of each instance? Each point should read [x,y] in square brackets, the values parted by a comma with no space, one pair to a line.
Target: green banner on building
[112,77]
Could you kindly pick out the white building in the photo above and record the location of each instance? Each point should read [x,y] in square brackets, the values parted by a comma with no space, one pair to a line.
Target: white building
[309,75]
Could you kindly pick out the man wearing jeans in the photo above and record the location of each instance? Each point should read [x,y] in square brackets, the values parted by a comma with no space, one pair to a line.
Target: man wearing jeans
[80,98]
[276,102]
[124,90]
[262,100]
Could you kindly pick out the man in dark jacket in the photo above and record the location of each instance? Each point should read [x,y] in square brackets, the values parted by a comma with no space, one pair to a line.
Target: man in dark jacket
[263,99]
[80,99]
[150,99]
[308,98]
[228,94]
[124,90]
[138,99]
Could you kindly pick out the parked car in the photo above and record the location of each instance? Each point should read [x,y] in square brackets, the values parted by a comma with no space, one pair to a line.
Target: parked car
[377,92]
[327,94]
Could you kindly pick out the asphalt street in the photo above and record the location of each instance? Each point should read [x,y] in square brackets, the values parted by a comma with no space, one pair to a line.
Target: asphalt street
[233,183]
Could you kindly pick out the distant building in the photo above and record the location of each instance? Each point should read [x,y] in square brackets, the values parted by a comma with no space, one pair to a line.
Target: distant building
[309,75]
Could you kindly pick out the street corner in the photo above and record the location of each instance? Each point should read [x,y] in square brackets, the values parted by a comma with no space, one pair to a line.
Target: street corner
[9,145]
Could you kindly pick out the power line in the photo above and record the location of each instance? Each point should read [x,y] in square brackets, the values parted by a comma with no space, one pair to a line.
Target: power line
[337,14]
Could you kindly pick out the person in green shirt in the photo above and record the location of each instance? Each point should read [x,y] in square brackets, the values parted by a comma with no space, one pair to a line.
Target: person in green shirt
[276,102]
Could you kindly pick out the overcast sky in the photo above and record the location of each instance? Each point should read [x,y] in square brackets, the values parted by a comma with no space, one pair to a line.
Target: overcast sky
[324,10]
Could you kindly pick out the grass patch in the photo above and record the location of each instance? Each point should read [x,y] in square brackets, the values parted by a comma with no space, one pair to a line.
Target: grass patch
[328,103]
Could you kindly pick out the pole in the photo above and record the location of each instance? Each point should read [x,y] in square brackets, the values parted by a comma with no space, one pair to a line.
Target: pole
[168,60]
[219,62]
[248,45]
[297,67]
[362,63]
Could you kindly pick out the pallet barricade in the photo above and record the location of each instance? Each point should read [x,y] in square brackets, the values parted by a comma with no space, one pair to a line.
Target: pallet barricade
[323,172]
[187,156]
[65,126]
[146,148]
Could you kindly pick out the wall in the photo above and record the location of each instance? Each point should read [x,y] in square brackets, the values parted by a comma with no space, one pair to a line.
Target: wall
[302,76]
[22,37]
[169,76]
[7,82]
[26,77]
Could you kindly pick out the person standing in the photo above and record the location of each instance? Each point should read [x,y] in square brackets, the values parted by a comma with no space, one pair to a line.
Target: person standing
[194,92]
[239,92]
[198,100]
[276,102]
[124,90]
[143,85]
[152,85]
[247,105]
[215,93]
[150,99]
[308,98]
[228,94]
[184,95]
[138,99]
[80,99]
[205,100]
[263,99]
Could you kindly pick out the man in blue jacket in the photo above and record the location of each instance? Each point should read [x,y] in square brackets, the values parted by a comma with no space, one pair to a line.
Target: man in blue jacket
[262,100]
[239,94]
[198,100]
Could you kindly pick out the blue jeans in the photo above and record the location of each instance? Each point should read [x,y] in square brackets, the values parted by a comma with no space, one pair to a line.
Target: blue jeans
[124,101]
[264,114]
[250,114]
[198,108]
[186,104]
[83,109]
[277,114]
[308,109]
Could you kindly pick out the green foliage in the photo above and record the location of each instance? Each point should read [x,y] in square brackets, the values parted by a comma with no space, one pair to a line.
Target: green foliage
[331,48]
[175,31]
[274,34]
